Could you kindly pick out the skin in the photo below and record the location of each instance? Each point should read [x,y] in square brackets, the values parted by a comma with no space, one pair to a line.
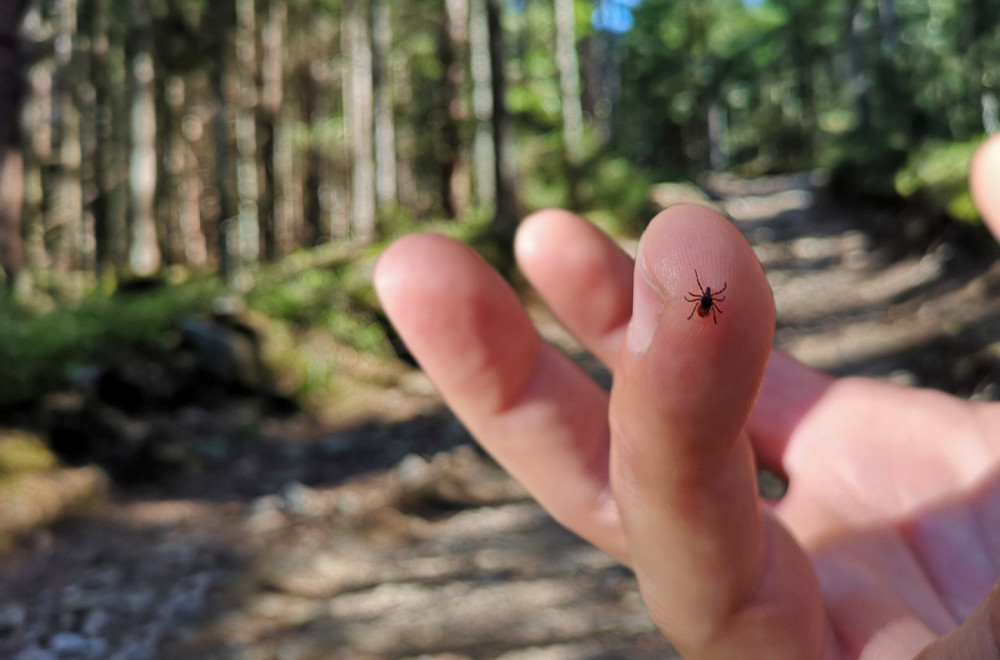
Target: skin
[887,544]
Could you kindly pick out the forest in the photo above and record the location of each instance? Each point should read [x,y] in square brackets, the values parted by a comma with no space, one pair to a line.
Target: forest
[177,139]
[212,442]
[145,134]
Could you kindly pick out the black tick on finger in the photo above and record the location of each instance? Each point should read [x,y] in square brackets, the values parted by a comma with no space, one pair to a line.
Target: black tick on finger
[706,301]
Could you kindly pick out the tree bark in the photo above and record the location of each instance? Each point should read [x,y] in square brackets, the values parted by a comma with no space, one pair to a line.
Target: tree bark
[144,250]
[276,146]
[182,208]
[452,46]
[858,77]
[604,85]
[111,157]
[66,200]
[483,158]
[11,161]
[247,180]
[506,218]
[359,110]
[406,142]
[569,81]
[386,189]
[222,17]
[93,22]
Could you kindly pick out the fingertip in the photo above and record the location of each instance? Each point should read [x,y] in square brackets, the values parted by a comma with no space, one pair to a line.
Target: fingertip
[552,233]
[694,359]
[394,267]
[462,322]
[533,229]
[581,273]
[984,172]
[418,268]
[688,251]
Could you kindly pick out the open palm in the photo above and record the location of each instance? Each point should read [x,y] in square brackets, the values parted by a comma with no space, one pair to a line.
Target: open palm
[887,543]
[895,494]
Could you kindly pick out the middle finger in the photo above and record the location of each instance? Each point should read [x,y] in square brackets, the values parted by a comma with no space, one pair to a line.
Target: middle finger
[583,275]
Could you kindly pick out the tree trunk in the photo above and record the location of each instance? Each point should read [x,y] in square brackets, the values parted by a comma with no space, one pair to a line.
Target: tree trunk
[314,230]
[37,157]
[277,151]
[857,77]
[11,206]
[247,181]
[805,53]
[11,162]
[505,221]
[182,207]
[406,143]
[359,111]
[94,23]
[452,47]
[189,206]
[386,189]
[144,251]
[888,20]
[222,16]
[113,130]
[991,112]
[65,206]
[85,42]
[569,83]
[718,126]
[483,158]
[603,88]
[171,93]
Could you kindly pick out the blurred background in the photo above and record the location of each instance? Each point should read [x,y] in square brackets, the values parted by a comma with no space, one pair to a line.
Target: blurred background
[213,445]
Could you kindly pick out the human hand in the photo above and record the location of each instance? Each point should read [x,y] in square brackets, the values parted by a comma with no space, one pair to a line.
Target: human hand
[888,538]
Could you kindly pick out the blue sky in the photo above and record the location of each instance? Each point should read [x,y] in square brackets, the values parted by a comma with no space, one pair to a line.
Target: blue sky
[614,15]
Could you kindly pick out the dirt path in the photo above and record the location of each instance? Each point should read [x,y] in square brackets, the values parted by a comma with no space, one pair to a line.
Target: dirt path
[397,539]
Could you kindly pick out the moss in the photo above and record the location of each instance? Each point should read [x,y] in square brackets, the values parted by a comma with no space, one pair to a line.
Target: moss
[40,350]
[24,452]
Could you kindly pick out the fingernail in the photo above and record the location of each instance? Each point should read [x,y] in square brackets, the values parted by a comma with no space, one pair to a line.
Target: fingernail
[646,308]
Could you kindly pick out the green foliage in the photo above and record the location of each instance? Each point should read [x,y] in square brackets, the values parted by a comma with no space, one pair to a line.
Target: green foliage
[616,195]
[938,172]
[794,84]
[39,351]
[544,183]
[335,297]
[864,167]
[327,290]
[685,56]
[798,90]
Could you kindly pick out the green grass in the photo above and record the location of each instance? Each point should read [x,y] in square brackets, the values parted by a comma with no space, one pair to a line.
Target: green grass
[324,289]
[40,350]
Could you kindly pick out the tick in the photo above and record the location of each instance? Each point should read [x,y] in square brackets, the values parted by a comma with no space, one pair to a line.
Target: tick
[706,301]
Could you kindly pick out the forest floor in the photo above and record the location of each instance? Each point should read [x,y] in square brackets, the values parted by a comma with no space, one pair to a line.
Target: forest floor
[394,537]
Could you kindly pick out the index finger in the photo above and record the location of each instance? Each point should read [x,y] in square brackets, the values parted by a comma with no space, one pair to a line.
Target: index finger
[529,405]
[583,275]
